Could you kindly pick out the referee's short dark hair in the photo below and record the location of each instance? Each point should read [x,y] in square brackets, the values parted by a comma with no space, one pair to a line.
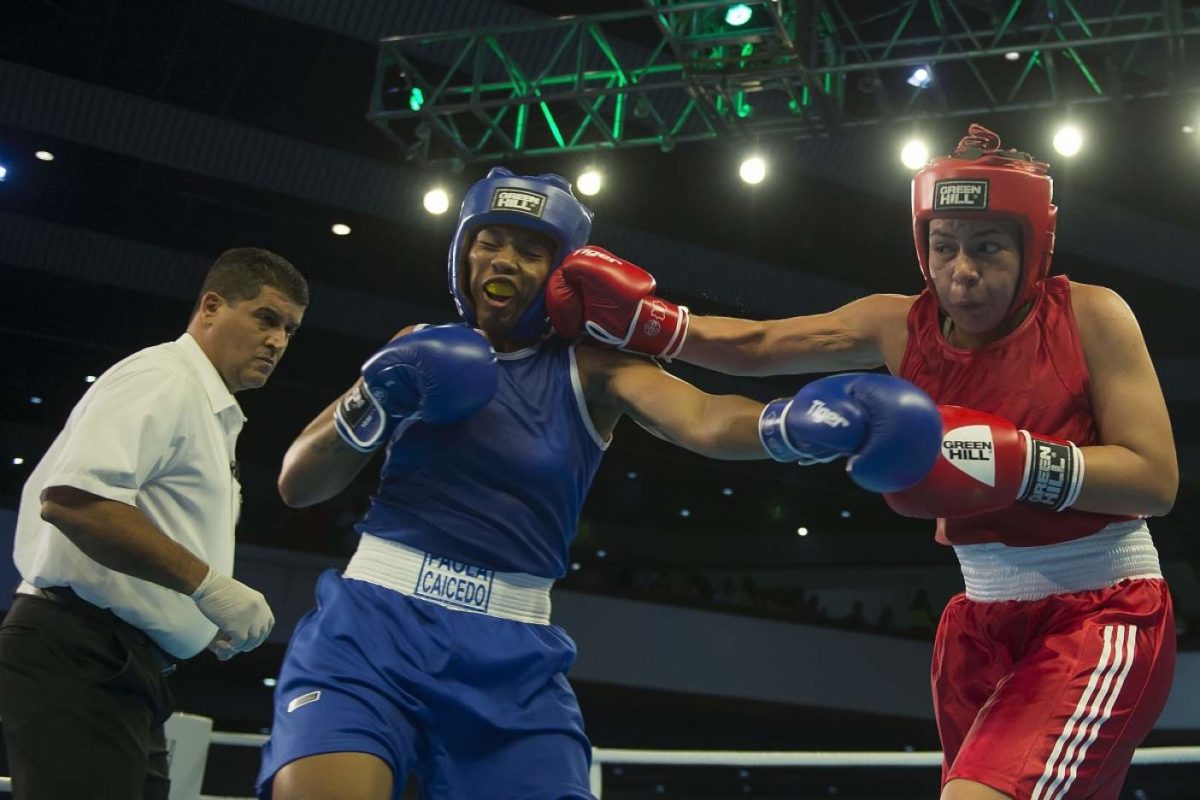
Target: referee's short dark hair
[241,273]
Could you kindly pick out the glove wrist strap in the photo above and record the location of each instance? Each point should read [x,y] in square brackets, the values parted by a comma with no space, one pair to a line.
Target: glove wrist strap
[772,431]
[681,330]
[657,329]
[360,420]
[1053,473]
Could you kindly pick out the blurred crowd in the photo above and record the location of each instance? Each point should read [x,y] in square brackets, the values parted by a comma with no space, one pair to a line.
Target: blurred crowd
[738,594]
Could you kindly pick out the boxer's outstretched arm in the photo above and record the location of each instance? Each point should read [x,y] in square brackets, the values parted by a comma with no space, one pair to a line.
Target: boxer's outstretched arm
[888,428]
[717,426]
[851,337]
[1134,469]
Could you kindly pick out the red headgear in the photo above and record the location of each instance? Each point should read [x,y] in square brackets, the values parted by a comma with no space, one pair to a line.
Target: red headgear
[981,181]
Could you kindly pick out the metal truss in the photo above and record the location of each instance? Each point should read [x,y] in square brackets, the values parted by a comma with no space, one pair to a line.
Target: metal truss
[677,71]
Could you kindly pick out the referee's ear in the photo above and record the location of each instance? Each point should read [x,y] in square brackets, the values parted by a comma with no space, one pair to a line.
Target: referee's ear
[207,306]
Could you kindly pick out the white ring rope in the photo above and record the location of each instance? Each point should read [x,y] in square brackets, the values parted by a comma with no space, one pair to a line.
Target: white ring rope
[850,758]
[741,758]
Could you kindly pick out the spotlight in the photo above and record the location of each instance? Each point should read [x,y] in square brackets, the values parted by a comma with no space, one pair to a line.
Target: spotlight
[269,682]
[914,154]
[90,379]
[802,531]
[631,475]
[601,553]
[3,172]
[436,201]
[1068,140]
[1189,129]
[845,514]
[1012,55]
[44,155]
[738,14]
[920,78]
[589,182]
[18,461]
[576,566]
[340,229]
[753,170]
[685,513]
[727,491]
[35,400]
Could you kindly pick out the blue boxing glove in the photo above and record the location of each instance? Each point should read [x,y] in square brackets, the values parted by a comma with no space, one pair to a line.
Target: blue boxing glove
[439,375]
[891,430]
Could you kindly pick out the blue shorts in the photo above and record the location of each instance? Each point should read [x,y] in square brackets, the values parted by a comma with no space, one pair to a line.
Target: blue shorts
[474,706]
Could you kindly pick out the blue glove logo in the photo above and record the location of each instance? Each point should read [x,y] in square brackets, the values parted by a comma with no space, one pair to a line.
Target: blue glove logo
[822,414]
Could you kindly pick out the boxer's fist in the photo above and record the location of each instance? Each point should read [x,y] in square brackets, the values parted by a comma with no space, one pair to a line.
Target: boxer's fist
[440,375]
[987,464]
[890,429]
[613,301]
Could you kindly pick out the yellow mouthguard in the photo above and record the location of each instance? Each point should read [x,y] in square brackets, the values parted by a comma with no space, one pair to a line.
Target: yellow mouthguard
[499,288]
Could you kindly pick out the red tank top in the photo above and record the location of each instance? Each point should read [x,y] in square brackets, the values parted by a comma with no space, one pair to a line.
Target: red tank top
[1035,376]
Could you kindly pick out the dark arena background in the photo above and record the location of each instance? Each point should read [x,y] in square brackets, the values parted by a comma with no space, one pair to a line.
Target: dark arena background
[749,607]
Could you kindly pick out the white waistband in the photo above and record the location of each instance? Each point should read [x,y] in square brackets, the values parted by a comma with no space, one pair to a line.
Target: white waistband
[994,572]
[449,583]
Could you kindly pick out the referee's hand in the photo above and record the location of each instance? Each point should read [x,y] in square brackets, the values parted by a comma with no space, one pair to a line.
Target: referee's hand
[241,613]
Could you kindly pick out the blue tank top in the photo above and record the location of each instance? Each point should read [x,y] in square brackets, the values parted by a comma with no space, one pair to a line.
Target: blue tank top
[504,488]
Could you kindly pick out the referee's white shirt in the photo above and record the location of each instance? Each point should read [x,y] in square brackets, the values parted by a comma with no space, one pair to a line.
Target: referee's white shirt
[157,431]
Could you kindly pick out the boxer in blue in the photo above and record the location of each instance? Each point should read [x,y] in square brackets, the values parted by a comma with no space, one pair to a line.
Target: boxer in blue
[432,653]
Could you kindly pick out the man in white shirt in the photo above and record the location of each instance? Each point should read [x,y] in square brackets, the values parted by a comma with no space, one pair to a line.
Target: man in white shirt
[125,539]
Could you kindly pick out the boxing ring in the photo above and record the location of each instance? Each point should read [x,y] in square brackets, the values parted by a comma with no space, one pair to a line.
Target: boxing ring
[189,738]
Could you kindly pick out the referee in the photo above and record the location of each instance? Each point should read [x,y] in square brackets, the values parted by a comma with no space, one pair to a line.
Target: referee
[125,539]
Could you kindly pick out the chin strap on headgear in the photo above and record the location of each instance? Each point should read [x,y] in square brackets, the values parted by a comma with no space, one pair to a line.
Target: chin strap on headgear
[541,203]
[981,181]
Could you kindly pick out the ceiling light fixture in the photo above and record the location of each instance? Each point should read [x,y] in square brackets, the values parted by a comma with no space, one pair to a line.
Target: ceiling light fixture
[753,170]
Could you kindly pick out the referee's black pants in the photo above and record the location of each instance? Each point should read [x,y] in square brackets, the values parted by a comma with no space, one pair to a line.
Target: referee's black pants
[83,699]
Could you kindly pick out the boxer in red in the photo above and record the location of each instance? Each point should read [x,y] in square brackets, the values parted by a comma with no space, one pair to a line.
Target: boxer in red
[1057,659]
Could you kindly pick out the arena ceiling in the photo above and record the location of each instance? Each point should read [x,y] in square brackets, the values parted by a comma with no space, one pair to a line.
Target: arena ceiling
[184,127]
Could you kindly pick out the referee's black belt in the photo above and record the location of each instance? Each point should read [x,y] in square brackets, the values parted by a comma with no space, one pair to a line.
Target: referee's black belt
[65,596]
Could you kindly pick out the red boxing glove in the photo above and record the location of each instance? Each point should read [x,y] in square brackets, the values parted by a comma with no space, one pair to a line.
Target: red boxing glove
[987,464]
[613,301]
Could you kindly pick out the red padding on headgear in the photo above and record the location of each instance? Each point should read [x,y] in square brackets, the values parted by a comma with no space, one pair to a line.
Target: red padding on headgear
[981,181]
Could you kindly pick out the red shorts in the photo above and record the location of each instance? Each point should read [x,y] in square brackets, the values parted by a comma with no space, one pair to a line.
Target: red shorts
[1047,699]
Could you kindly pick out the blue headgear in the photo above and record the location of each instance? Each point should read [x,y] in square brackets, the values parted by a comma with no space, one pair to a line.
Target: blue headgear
[542,203]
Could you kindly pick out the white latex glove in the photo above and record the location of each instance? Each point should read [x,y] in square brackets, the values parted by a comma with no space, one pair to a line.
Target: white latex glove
[221,647]
[241,614]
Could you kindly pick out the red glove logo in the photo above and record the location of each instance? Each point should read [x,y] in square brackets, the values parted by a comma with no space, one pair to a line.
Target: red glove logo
[971,450]
[603,256]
